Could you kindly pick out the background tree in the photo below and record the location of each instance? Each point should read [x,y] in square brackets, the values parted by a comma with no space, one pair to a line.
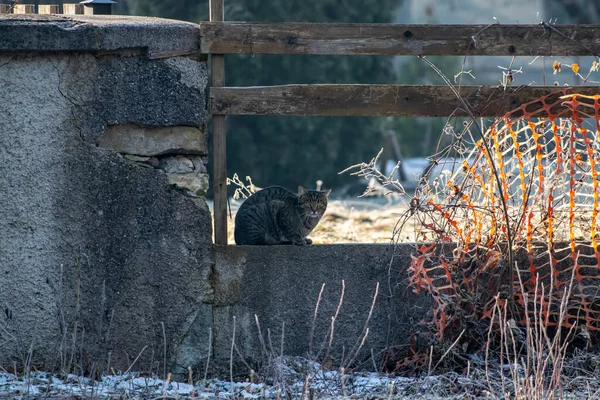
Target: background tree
[573,11]
[289,151]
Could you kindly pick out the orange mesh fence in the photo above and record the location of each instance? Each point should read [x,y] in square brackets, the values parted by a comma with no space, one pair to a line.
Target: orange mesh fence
[539,165]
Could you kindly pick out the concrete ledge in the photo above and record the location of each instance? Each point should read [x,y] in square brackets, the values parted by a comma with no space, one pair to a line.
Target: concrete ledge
[281,284]
[99,33]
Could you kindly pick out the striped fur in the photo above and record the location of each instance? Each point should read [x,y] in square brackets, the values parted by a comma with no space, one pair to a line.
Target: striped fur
[275,215]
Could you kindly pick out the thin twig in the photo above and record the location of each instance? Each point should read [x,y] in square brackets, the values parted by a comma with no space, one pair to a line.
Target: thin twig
[209,352]
[546,25]
[365,330]
[314,321]
[134,361]
[448,351]
[231,355]
[162,323]
[10,10]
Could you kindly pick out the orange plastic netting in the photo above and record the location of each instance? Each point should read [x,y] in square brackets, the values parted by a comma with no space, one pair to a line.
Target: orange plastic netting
[532,178]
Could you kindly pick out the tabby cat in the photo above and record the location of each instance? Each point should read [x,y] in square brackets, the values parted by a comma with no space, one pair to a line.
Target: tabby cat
[275,215]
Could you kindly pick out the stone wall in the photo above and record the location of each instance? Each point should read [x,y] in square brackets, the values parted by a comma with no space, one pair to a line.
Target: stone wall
[105,235]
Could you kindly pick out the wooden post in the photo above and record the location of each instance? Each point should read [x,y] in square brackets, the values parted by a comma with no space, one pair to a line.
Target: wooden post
[48,9]
[73,9]
[219,140]
[24,9]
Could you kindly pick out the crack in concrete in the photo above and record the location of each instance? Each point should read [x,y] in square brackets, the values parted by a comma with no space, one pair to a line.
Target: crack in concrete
[7,62]
[73,103]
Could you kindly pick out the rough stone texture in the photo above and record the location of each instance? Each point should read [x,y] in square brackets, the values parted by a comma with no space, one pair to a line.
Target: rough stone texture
[98,33]
[177,165]
[195,183]
[157,92]
[142,161]
[187,173]
[281,284]
[154,141]
[96,252]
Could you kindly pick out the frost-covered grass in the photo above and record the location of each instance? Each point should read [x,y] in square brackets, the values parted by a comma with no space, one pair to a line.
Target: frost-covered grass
[129,386]
[297,378]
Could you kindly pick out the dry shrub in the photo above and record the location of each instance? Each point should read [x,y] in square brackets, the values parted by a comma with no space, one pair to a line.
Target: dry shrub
[507,228]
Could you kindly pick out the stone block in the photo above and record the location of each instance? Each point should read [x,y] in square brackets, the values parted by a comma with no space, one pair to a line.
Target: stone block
[195,183]
[153,141]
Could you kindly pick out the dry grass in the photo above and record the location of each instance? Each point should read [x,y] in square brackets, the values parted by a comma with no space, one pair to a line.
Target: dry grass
[353,221]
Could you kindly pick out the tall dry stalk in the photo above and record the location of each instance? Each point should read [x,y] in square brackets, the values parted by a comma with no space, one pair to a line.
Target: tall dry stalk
[535,355]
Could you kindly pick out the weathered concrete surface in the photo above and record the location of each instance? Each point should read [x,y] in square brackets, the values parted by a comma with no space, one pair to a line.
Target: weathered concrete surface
[281,284]
[96,252]
[99,33]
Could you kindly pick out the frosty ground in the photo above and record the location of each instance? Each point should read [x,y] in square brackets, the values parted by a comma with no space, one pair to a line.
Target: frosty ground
[297,377]
[323,385]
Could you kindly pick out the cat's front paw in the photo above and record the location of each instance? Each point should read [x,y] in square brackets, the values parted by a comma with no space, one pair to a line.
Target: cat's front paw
[308,241]
[301,242]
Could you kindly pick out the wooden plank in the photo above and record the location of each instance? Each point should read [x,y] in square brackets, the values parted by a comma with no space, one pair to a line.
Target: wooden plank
[24,9]
[396,39]
[73,9]
[219,140]
[376,100]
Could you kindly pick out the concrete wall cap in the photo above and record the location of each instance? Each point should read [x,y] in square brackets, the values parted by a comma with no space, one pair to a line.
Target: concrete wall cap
[98,33]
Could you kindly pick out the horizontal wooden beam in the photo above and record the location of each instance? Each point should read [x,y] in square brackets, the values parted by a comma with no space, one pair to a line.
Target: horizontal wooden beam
[395,39]
[377,100]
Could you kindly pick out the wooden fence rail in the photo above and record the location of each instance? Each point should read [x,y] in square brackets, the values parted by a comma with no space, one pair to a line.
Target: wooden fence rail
[398,40]
[376,100]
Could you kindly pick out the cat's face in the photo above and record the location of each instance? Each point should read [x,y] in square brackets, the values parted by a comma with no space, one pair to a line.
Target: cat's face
[313,203]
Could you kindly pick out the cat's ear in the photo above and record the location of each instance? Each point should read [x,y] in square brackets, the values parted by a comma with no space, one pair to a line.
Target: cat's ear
[326,192]
[302,191]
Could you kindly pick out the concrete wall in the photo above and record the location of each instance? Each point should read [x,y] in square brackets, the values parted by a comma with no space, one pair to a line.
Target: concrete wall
[104,231]
[105,237]
[281,285]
